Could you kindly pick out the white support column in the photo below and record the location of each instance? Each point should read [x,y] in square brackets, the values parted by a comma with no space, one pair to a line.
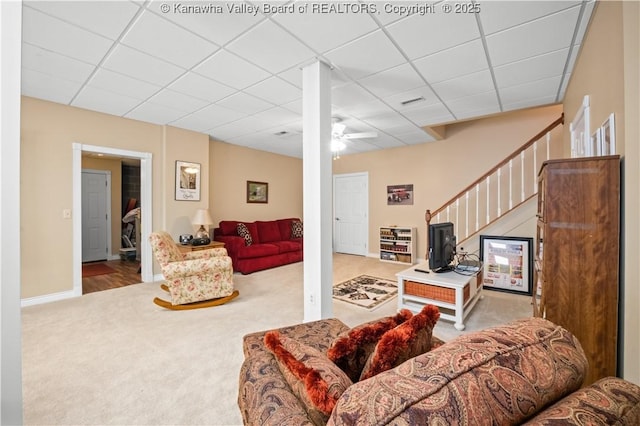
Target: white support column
[317,189]
[10,315]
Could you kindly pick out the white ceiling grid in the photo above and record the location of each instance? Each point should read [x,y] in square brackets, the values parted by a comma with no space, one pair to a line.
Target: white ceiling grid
[236,75]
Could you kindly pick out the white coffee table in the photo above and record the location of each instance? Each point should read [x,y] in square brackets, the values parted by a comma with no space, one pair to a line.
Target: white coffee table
[453,293]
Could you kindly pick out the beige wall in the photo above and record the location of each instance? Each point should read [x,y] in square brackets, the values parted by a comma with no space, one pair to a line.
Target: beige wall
[115,167]
[439,170]
[48,131]
[607,70]
[232,166]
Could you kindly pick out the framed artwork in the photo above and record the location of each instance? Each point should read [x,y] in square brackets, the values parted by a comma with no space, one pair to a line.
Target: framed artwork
[608,136]
[508,263]
[257,192]
[400,195]
[187,181]
[579,130]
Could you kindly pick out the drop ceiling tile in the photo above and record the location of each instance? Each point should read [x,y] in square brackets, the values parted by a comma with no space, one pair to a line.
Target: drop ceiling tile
[295,106]
[391,123]
[392,81]
[66,39]
[122,84]
[230,130]
[231,70]
[365,110]
[218,26]
[499,15]
[154,113]
[552,33]
[47,87]
[454,62]
[275,90]
[421,35]
[178,101]
[415,137]
[169,42]
[51,63]
[105,101]
[531,69]
[480,104]
[200,87]
[270,46]
[107,18]
[133,63]
[467,85]
[311,27]
[207,118]
[429,115]
[547,88]
[366,55]
[274,117]
[350,95]
[384,140]
[244,103]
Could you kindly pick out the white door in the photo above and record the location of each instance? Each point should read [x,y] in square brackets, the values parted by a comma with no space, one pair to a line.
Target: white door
[351,213]
[95,214]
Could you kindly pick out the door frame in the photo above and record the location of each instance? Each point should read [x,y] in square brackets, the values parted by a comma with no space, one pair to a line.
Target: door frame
[107,174]
[357,174]
[146,186]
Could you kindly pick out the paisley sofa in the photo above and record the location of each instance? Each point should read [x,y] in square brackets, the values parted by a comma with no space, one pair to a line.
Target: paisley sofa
[529,371]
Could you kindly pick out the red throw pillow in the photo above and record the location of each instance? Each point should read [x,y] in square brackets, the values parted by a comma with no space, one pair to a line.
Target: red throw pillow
[313,378]
[351,350]
[405,341]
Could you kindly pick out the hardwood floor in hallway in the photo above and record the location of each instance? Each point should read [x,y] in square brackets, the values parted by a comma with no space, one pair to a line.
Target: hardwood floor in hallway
[126,273]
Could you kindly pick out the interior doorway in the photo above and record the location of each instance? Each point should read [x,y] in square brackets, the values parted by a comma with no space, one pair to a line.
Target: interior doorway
[145,159]
[96,215]
[351,213]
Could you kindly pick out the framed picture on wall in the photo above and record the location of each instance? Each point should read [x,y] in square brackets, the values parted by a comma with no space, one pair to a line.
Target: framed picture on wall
[187,181]
[257,192]
[608,135]
[508,263]
[400,195]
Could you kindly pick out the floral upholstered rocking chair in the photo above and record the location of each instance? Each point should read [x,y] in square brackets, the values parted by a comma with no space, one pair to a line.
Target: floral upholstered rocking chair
[197,279]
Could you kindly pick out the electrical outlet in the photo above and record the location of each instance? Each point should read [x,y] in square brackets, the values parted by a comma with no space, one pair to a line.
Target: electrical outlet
[66,214]
[311,299]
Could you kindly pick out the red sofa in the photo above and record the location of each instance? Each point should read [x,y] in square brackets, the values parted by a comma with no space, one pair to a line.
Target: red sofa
[272,244]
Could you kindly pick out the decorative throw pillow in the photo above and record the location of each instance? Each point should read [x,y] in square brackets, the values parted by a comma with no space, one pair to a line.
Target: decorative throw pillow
[351,349]
[243,231]
[313,378]
[296,229]
[405,341]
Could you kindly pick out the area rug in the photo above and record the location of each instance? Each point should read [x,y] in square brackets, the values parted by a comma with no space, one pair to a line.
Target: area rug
[366,291]
[93,269]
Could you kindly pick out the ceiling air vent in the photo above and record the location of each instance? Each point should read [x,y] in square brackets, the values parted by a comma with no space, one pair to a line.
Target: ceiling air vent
[412,101]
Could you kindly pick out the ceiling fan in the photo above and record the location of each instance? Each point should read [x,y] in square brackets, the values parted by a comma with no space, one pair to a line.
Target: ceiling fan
[338,136]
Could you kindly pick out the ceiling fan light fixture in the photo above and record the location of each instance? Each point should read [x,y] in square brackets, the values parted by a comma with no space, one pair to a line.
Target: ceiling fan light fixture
[337,145]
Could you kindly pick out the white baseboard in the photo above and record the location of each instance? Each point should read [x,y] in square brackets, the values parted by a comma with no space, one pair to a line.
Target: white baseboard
[48,298]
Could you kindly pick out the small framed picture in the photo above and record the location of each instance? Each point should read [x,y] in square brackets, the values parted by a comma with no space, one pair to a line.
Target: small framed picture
[400,195]
[187,181]
[257,192]
[508,263]
[608,135]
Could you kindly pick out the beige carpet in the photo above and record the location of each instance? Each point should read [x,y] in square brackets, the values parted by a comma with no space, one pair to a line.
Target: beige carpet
[115,358]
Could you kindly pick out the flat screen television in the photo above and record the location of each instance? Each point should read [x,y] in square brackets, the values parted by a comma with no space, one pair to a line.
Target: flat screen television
[442,246]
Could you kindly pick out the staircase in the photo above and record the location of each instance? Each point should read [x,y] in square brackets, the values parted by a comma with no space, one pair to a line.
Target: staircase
[509,188]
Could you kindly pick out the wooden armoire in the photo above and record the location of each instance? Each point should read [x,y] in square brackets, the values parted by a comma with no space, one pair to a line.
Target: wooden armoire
[578,254]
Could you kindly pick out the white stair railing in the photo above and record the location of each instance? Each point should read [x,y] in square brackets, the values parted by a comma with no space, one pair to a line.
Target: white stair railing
[496,193]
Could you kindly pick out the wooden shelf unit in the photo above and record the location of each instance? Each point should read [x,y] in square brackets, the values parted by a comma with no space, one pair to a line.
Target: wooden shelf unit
[577,255]
[398,244]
